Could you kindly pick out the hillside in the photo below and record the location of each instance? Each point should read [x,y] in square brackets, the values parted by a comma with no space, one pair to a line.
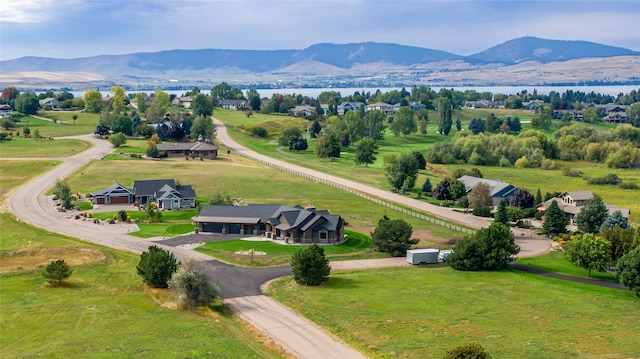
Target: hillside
[529,61]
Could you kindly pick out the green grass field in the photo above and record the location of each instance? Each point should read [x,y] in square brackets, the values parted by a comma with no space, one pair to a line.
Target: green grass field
[555,261]
[16,173]
[65,126]
[420,312]
[105,312]
[39,148]
[357,246]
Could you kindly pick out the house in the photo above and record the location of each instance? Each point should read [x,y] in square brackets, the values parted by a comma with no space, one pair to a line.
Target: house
[291,224]
[183,101]
[497,188]
[484,104]
[380,106]
[235,105]
[48,103]
[532,105]
[5,110]
[345,107]
[303,110]
[616,117]
[417,106]
[165,193]
[114,194]
[572,202]
[192,149]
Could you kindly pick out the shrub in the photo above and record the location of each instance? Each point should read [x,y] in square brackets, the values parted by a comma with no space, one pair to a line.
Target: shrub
[628,185]
[156,267]
[56,272]
[192,286]
[310,266]
[570,172]
[122,215]
[611,179]
[504,162]
[467,351]
[259,131]
[482,212]
[548,164]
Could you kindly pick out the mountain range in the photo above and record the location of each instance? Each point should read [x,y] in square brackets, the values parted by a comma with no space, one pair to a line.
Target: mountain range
[526,60]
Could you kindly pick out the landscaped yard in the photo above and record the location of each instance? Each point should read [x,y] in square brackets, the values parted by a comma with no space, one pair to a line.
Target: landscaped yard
[357,246]
[31,147]
[105,313]
[420,312]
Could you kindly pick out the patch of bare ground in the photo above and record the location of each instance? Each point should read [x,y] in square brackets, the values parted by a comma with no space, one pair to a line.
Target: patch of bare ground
[33,258]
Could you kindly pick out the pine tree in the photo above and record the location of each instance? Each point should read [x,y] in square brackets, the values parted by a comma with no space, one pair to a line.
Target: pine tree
[501,214]
[538,198]
[592,215]
[427,187]
[555,220]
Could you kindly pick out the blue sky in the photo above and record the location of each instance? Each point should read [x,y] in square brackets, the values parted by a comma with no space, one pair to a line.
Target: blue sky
[80,28]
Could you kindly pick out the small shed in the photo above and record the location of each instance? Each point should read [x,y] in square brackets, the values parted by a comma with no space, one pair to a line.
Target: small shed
[423,256]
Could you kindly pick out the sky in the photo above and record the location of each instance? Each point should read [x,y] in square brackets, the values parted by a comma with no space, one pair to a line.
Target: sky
[82,28]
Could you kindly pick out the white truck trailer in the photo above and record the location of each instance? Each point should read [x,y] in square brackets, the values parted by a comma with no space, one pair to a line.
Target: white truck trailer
[423,256]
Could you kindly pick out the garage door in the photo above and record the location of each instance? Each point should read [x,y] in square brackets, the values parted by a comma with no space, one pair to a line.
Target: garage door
[234,228]
[212,227]
[120,199]
[99,200]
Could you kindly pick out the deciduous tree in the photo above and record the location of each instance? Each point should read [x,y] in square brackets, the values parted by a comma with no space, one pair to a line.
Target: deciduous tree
[403,122]
[628,270]
[202,105]
[401,171]
[118,139]
[27,103]
[393,236]
[202,126]
[62,192]
[366,151]
[489,248]
[93,101]
[480,196]
[522,198]
[444,116]
[589,251]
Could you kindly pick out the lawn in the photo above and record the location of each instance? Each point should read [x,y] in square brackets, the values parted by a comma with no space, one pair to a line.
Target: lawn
[31,147]
[555,261]
[420,312]
[357,246]
[251,182]
[65,126]
[105,312]
[16,173]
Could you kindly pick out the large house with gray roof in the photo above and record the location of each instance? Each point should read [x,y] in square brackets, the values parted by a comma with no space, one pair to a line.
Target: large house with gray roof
[572,202]
[165,193]
[499,190]
[291,224]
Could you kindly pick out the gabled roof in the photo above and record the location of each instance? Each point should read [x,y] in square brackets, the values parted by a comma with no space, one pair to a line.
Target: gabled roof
[186,191]
[116,187]
[578,195]
[186,146]
[496,187]
[150,187]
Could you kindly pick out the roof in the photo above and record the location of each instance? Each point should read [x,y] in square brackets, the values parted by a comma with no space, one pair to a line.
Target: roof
[150,187]
[186,146]
[496,187]
[579,195]
[113,187]
[295,217]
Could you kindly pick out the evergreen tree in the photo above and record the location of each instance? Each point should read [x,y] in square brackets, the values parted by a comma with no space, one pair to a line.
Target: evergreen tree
[538,198]
[315,128]
[592,215]
[501,215]
[393,236]
[555,220]
[426,187]
[616,219]
[56,272]
[156,267]
[488,249]
[444,116]
[458,124]
[310,266]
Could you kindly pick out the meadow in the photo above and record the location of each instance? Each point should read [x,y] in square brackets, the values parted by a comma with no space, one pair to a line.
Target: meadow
[104,311]
[41,148]
[420,312]
[16,173]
